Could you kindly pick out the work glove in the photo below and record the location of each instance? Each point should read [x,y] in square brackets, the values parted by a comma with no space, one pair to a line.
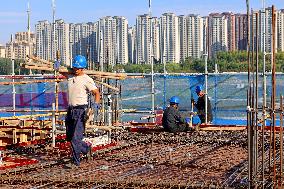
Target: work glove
[187,120]
[56,65]
[96,106]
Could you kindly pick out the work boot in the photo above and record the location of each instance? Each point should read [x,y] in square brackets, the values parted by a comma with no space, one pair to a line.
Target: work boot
[197,127]
[88,155]
[70,165]
[190,128]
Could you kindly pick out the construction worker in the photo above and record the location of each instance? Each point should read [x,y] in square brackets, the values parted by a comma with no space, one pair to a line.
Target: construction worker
[172,120]
[200,105]
[79,85]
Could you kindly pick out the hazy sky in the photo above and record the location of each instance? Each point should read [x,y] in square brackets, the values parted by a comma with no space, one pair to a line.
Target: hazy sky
[13,16]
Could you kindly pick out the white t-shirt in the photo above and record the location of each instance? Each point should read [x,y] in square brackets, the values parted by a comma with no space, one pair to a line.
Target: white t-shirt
[78,89]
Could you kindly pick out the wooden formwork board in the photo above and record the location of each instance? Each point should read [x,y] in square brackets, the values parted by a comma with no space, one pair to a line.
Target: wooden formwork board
[37,123]
[20,137]
[15,122]
[15,130]
[29,123]
[222,128]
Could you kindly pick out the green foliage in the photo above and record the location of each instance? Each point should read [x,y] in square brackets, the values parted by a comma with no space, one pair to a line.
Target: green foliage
[226,61]
[6,67]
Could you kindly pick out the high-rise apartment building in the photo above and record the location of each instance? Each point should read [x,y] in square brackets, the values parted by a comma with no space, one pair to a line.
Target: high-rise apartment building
[217,33]
[195,36]
[265,28]
[121,40]
[143,50]
[241,31]
[20,46]
[156,39]
[231,30]
[43,31]
[84,40]
[114,45]
[183,33]
[131,45]
[61,41]
[280,30]
[47,46]
[108,50]
[191,31]
[2,51]
[170,38]
[205,31]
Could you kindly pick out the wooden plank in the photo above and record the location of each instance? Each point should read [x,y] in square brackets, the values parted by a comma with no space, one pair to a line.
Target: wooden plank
[11,122]
[223,128]
[33,81]
[2,134]
[119,76]
[36,59]
[106,128]
[23,138]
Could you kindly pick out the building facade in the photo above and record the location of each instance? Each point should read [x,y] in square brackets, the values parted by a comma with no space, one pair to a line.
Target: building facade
[280,30]
[170,38]
[21,46]
[143,39]
[217,33]
[2,51]
[241,31]
[43,31]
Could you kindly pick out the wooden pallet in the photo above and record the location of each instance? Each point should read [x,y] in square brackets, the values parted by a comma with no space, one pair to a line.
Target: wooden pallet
[18,131]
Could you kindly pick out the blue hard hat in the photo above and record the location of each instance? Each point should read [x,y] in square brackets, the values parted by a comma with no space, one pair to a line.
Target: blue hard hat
[174,100]
[198,88]
[79,62]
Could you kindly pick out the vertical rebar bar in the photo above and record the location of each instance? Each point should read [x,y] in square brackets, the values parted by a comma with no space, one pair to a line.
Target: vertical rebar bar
[281,140]
[273,63]
[252,105]
[264,92]
[248,97]
[256,95]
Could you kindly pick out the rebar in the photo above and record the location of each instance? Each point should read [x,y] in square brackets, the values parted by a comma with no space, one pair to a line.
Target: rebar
[163,160]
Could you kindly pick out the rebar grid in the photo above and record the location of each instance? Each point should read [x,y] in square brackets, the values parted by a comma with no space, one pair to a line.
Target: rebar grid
[265,152]
[163,160]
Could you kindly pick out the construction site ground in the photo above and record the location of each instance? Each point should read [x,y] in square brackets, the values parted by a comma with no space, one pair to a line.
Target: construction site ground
[196,159]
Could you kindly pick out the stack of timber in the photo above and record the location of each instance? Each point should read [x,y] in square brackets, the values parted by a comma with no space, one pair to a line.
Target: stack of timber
[15,131]
[39,64]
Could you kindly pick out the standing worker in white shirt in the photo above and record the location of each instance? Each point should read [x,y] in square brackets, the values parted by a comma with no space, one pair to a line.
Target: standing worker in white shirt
[79,86]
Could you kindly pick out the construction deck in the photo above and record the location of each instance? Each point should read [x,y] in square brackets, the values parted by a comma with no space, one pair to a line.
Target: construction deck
[204,159]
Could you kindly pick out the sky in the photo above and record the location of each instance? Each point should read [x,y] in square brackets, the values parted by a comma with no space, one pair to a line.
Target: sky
[13,13]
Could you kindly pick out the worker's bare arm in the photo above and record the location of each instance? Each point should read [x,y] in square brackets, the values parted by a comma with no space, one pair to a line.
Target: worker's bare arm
[97,95]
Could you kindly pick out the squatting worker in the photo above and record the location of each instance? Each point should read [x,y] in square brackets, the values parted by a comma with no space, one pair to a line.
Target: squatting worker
[172,120]
[200,105]
[79,86]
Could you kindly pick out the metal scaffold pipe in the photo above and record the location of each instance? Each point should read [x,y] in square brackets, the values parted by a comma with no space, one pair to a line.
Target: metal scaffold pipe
[206,72]
[53,125]
[152,62]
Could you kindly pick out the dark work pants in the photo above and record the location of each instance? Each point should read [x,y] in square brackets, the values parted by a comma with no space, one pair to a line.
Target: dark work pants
[177,128]
[74,122]
[202,118]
